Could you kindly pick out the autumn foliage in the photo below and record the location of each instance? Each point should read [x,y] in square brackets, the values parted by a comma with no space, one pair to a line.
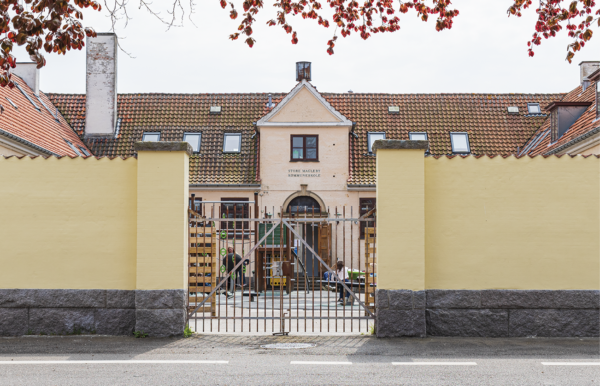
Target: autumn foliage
[56,25]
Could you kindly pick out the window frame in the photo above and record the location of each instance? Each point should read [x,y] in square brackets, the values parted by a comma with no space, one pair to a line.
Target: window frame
[225,135]
[452,142]
[303,159]
[369,144]
[199,141]
[361,212]
[529,104]
[150,133]
[418,132]
[227,225]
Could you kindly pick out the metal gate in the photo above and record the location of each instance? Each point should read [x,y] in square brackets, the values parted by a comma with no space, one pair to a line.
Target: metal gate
[281,276]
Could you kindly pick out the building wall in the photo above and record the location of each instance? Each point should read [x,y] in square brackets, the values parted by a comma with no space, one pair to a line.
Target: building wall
[68,223]
[528,223]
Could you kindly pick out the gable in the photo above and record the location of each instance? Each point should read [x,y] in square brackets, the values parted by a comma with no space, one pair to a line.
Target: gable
[304,107]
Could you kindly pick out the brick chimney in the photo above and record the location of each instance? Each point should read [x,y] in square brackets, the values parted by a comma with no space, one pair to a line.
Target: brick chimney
[30,74]
[101,85]
[586,68]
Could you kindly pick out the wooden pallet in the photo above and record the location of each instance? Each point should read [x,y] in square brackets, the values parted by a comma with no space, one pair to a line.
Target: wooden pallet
[203,266]
[370,267]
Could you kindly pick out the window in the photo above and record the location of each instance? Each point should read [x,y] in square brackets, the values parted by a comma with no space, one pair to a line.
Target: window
[460,142]
[235,210]
[366,204]
[27,96]
[12,103]
[193,139]
[534,108]
[232,142]
[513,109]
[151,137]
[417,136]
[372,137]
[304,204]
[87,154]
[73,147]
[598,98]
[305,148]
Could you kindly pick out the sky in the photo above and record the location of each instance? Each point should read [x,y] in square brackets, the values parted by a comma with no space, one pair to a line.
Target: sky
[484,52]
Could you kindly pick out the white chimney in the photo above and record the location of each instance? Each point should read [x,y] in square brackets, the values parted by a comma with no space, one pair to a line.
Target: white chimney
[30,74]
[586,68]
[101,85]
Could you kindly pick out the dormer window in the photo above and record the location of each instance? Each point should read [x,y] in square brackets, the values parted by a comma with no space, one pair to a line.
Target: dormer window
[563,115]
[232,142]
[534,108]
[372,137]
[460,142]
[151,137]
[417,136]
[193,139]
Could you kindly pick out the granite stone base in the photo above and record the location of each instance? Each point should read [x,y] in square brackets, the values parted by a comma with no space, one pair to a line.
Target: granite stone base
[105,312]
[488,313]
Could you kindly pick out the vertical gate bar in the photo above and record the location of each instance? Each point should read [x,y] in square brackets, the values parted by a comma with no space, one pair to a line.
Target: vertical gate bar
[351,270]
[312,225]
[329,274]
[345,267]
[305,271]
[234,253]
[264,262]
[212,210]
[281,319]
[253,273]
[337,277]
[320,279]
[272,276]
[297,285]
[288,236]
[189,231]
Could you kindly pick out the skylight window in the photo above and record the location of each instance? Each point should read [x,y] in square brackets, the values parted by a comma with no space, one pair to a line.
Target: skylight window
[460,142]
[419,136]
[513,109]
[73,148]
[534,108]
[232,142]
[194,140]
[372,137]
[151,137]
[87,153]
[215,109]
[12,103]
[28,97]
[394,109]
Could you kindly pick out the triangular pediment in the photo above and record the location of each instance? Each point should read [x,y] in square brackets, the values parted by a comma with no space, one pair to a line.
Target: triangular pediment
[304,106]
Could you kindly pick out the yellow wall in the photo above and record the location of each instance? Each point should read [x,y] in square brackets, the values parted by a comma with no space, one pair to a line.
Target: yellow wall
[162,199]
[400,219]
[512,223]
[68,223]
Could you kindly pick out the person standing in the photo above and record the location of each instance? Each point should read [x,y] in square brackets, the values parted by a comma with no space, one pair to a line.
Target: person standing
[230,261]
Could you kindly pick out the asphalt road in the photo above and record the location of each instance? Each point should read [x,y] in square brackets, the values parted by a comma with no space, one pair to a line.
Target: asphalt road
[339,360]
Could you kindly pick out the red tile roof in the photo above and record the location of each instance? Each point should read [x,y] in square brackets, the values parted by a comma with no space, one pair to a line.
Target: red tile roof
[585,125]
[492,130]
[37,129]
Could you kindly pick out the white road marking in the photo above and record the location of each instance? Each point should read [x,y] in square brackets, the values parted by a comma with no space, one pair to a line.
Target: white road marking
[101,362]
[318,363]
[434,363]
[571,363]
